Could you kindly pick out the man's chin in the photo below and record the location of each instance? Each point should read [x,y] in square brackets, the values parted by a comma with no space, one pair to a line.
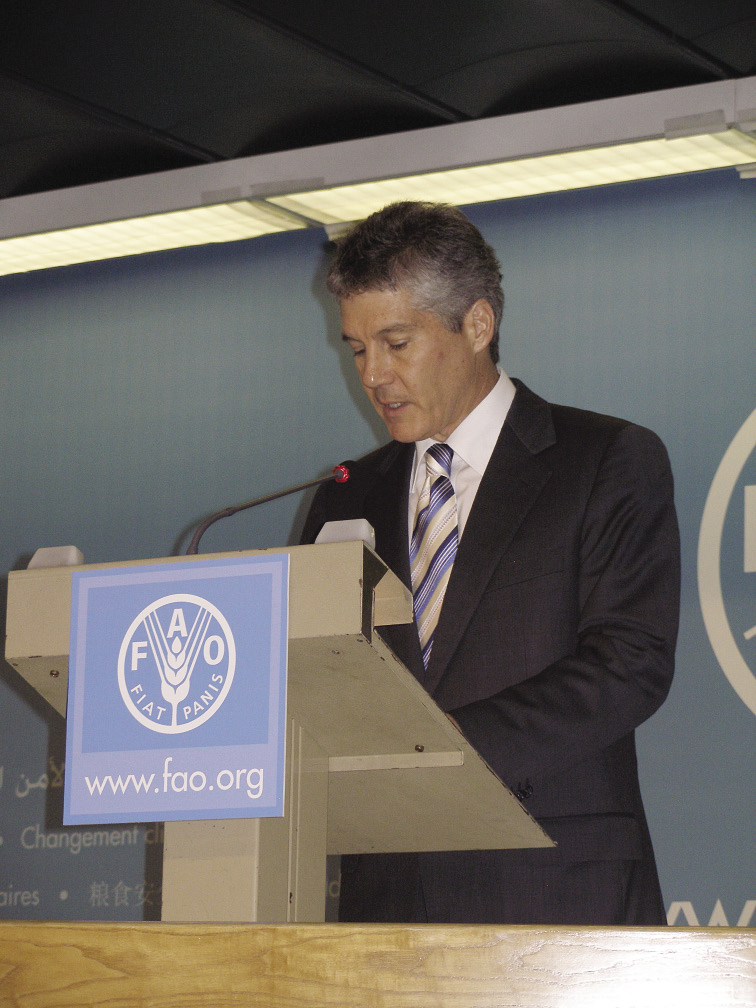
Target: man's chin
[402,432]
[398,426]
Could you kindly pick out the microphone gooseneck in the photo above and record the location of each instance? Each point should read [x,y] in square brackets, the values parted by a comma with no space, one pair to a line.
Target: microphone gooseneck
[340,474]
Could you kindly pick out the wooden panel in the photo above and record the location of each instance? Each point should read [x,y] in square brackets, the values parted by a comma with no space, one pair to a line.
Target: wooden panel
[467,966]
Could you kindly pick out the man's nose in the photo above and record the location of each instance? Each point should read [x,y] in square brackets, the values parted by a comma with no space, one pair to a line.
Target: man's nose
[376,371]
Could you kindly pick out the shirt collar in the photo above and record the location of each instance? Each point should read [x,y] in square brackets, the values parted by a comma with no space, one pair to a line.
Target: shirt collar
[474,440]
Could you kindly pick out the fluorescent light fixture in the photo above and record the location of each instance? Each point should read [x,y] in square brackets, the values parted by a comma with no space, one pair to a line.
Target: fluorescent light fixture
[134,236]
[529,176]
[596,143]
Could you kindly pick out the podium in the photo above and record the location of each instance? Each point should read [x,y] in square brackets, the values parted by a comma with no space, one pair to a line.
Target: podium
[372,764]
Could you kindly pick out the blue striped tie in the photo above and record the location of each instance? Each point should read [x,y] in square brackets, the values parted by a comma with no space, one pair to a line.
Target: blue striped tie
[434,543]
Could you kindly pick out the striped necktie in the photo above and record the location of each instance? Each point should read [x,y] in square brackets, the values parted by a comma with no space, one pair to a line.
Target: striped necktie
[434,543]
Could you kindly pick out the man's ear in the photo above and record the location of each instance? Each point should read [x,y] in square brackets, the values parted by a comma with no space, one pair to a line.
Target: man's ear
[479,324]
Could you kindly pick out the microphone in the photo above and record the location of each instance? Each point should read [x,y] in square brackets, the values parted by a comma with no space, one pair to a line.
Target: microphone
[340,474]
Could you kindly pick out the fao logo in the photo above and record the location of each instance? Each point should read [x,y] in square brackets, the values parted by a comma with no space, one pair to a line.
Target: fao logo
[176,663]
[726,576]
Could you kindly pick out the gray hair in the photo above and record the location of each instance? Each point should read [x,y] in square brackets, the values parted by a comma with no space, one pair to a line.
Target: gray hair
[433,250]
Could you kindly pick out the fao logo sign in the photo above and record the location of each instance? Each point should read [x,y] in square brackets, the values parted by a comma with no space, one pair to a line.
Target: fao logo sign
[176,663]
[177,690]
[727,564]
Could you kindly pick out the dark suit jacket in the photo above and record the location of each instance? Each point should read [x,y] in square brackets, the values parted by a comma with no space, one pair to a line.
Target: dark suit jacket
[555,640]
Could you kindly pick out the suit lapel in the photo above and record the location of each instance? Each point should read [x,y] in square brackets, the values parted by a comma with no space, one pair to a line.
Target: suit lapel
[386,510]
[513,480]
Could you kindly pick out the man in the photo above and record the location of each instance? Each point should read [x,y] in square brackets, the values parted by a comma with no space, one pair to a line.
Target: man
[541,544]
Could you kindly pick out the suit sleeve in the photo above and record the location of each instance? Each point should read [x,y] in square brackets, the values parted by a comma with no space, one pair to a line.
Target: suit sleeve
[627,602]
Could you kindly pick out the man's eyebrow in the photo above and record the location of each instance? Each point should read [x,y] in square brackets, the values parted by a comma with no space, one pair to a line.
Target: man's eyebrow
[396,327]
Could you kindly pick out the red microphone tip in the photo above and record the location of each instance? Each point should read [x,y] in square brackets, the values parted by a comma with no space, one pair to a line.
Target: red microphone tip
[341,473]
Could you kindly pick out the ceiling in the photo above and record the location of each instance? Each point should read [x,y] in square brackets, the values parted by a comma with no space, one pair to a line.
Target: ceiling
[93,90]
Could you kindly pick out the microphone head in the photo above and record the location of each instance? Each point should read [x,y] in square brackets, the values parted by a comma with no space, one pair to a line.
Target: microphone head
[341,472]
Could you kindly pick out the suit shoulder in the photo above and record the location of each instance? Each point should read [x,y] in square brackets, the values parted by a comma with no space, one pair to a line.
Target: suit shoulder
[366,469]
[540,424]
[572,421]
[338,501]
[613,448]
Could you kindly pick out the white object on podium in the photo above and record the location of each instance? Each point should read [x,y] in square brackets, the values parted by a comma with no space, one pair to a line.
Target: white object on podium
[373,765]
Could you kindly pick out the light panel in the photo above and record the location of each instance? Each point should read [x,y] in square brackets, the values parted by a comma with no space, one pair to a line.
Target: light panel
[697,128]
[529,176]
[155,232]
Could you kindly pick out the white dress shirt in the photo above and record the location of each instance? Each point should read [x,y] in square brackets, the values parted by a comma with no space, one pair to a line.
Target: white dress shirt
[472,442]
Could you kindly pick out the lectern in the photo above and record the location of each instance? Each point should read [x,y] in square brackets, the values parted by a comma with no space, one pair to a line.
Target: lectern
[373,765]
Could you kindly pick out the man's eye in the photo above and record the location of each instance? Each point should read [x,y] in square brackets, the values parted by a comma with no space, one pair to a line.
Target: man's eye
[398,346]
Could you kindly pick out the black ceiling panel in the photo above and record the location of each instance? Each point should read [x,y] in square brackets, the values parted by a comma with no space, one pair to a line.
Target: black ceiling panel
[92,90]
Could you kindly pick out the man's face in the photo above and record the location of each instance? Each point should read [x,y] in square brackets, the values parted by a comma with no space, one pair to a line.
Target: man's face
[422,378]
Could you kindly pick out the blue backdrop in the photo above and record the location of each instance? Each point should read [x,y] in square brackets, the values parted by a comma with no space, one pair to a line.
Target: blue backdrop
[140,394]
